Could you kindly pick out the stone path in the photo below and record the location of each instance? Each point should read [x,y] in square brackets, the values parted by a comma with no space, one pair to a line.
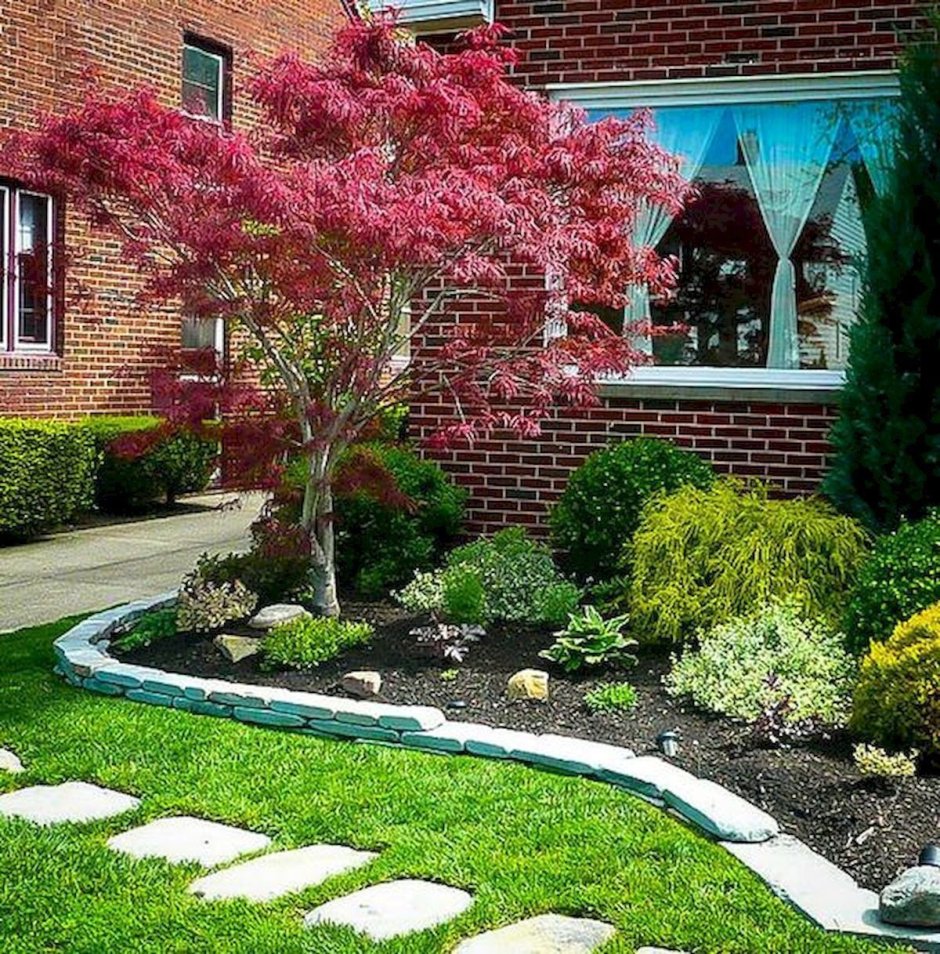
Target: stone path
[545,934]
[9,762]
[183,838]
[69,802]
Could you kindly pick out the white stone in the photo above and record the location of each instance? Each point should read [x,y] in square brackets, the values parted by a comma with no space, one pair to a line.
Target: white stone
[68,802]
[913,898]
[362,684]
[569,754]
[276,613]
[183,838]
[646,775]
[9,762]
[237,648]
[545,934]
[719,812]
[657,950]
[388,910]
[270,876]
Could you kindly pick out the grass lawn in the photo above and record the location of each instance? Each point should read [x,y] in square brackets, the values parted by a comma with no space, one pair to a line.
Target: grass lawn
[522,841]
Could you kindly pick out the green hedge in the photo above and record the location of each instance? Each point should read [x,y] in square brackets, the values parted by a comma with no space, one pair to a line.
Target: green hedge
[47,474]
[177,464]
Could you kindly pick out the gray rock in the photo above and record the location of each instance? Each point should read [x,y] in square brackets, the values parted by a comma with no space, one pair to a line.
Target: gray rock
[913,898]
[237,648]
[270,876]
[362,684]
[68,802]
[276,613]
[9,762]
[545,934]
[388,910]
[183,838]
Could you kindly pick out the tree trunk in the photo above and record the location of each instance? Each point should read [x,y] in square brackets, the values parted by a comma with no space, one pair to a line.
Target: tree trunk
[317,521]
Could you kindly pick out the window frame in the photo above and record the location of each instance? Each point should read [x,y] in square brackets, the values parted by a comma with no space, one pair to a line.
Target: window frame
[6,223]
[221,53]
[728,91]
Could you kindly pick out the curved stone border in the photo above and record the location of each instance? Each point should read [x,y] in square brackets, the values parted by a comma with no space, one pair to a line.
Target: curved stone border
[820,890]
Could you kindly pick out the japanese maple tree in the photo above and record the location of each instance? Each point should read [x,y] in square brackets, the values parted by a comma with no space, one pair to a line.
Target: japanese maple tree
[380,187]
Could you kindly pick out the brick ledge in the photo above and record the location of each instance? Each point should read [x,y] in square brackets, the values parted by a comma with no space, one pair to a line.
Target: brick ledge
[13,361]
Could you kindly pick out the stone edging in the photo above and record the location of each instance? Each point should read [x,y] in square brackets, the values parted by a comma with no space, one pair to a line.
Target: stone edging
[820,890]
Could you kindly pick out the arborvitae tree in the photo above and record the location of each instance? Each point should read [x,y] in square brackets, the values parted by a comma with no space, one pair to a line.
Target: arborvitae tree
[887,438]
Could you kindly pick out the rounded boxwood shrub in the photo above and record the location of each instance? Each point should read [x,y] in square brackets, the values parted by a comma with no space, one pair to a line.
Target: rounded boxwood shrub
[897,697]
[900,577]
[173,464]
[47,475]
[701,557]
[600,508]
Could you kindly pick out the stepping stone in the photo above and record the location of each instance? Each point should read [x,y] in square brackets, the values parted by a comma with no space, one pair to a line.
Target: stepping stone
[270,876]
[545,934]
[657,950]
[9,762]
[276,613]
[388,910]
[188,839]
[68,802]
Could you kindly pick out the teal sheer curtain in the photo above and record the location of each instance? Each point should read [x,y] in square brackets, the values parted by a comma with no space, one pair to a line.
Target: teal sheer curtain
[786,149]
[873,121]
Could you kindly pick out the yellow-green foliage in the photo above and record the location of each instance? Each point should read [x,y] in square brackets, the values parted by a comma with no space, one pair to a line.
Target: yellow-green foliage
[897,698]
[701,557]
[873,762]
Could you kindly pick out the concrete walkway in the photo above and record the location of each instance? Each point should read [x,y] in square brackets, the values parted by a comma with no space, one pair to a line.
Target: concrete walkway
[90,569]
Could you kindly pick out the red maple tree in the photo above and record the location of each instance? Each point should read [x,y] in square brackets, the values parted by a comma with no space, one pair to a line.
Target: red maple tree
[382,185]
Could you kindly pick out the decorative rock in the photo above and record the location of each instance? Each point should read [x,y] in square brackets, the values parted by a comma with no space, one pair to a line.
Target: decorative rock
[270,876]
[237,648]
[388,910]
[719,812]
[657,950]
[571,755]
[68,802]
[362,684]
[183,838]
[913,898]
[528,684]
[10,763]
[545,934]
[276,613]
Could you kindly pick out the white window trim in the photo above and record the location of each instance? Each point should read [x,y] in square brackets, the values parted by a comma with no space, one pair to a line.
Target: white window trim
[42,347]
[220,99]
[712,91]
[5,262]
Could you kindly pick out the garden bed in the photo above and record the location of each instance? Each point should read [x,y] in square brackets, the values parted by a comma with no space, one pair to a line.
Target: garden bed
[813,790]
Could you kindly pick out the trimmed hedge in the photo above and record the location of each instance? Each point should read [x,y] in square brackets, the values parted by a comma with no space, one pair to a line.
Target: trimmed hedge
[177,464]
[47,474]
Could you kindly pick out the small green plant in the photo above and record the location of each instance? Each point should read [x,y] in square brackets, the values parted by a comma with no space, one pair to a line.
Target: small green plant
[900,577]
[874,762]
[204,606]
[557,602]
[147,629]
[591,640]
[463,598]
[610,697]
[772,668]
[703,557]
[307,641]
[449,675]
[424,594]
[600,508]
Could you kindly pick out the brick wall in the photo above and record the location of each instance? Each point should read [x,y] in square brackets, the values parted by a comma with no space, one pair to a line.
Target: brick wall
[48,46]
[585,41]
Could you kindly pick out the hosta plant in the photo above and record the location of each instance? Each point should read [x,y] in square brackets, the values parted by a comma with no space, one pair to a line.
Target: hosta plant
[591,640]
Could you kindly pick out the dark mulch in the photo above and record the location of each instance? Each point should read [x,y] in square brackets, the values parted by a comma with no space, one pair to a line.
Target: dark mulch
[813,790]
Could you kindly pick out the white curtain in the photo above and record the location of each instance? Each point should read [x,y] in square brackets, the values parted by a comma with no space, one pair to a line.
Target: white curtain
[873,122]
[687,132]
[786,149]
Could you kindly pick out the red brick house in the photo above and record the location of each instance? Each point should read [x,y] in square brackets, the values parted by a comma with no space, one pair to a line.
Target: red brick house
[779,109]
[73,353]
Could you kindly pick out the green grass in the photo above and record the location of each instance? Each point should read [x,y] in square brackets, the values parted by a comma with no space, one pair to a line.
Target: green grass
[522,841]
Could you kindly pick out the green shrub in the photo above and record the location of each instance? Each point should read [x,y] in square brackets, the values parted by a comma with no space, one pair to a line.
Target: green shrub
[897,697]
[203,606]
[394,514]
[900,577]
[873,762]
[307,641]
[611,697]
[600,508]
[273,578]
[463,597]
[47,474]
[147,629]
[175,464]
[556,602]
[591,640]
[702,557]
[772,660]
